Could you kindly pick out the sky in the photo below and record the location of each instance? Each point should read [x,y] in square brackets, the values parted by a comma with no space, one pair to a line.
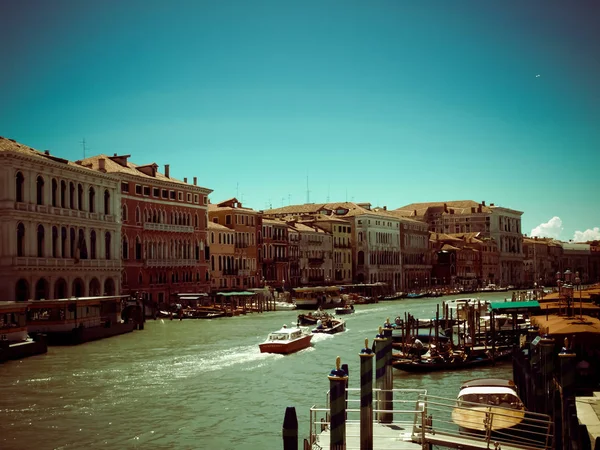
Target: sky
[277,103]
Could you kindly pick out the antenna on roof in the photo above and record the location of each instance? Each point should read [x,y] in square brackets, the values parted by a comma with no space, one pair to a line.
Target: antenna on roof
[307,191]
[82,142]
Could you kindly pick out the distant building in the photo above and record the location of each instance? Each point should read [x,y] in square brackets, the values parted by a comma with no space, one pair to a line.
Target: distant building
[223,274]
[164,223]
[275,259]
[59,227]
[247,224]
[315,248]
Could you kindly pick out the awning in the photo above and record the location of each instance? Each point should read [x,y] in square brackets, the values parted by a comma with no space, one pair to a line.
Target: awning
[191,297]
[232,294]
[514,307]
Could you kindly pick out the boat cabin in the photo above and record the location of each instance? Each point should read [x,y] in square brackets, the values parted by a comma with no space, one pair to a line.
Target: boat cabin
[13,321]
[285,334]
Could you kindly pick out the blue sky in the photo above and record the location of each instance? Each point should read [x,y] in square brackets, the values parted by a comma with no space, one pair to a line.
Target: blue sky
[390,102]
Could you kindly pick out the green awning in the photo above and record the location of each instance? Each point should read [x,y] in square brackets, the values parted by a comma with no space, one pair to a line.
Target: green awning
[514,307]
[232,294]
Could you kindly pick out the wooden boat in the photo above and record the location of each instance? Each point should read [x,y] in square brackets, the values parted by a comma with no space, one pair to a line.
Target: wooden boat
[349,309]
[77,320]
[15,342]
[330,326]
[312,318]
[487,405]
[286,340]
[317,297]
[458,361]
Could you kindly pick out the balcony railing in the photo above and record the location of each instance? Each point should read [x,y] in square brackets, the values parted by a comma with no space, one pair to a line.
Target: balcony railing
[168,227]
[171,262]
[67,212]
[66,262]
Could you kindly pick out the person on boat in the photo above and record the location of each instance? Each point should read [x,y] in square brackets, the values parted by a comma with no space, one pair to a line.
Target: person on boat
[417,347]
[319,325]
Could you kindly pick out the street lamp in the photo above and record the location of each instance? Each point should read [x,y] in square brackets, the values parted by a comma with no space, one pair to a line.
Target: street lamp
[564,286]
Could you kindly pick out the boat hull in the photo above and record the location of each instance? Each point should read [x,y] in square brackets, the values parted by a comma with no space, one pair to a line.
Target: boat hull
[80,335]
[18,350]
[286,347]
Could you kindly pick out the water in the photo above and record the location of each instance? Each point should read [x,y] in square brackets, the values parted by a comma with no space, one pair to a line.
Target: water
[193,384]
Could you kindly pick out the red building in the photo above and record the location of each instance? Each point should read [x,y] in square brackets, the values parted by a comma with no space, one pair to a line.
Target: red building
[164,231]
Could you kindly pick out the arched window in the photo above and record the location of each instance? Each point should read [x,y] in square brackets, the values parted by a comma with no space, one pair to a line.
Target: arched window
[91,199]
[63,242]
[125,254]
[196,220]
[22,290]
[63,194]
[40,241]
[78,288]
[81,245]
[80,197]
[109,287]
[107,245]
[41,289]
[106,202]
[19,185]
[60,288]
[20,240]
[93,244]
[54,242]
[94,288]
[124,213]
[54,192]
[137,215]
[72,195]
[39,188]
[72,242]
[138,248]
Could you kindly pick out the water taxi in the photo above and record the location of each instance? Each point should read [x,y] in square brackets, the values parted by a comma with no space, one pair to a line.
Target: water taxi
[318,296]
[330,326]
[15,342]
[348,309]
[286,340]
[77,320]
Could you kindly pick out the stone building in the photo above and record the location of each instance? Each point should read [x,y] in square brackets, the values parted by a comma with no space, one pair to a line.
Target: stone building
[221,241]
[59,227]
[164,223]
[275,267]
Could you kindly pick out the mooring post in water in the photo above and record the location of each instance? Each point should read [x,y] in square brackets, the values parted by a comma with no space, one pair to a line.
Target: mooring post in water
[388,381]
[337,407]
[347,370]
[366,397]
[289,431]
[380,360]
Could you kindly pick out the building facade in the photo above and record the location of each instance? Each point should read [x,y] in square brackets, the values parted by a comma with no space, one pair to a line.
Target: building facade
[164,230]
[223,275]
[275,268]
[59,227]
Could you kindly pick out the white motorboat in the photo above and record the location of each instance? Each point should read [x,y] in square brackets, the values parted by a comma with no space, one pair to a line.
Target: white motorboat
[286,340]
[285,306]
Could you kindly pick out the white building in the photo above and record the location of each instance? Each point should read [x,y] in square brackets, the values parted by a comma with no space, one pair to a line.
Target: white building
[60,233]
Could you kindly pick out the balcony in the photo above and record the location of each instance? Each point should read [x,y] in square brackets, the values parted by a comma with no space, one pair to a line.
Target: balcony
[316,261]
[171,262]
[150,226]
[65,212]
[25,261]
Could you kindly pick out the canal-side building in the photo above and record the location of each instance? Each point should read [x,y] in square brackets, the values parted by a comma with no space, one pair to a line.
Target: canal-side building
[247,224]
[315,248]
[164,230]
[223,275]
[466,216]
[294,255]
[275,266]
[538,267]
[58,223]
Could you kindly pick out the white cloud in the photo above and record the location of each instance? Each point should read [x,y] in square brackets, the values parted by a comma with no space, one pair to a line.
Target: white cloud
[587,235]
[550,229]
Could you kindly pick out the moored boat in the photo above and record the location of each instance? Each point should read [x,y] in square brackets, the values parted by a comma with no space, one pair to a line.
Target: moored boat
[456,361]
[286,340]
[15,342]
[285,306]
[317,297]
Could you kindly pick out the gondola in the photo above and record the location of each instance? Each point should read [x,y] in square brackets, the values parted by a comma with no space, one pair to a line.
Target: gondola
[458,363]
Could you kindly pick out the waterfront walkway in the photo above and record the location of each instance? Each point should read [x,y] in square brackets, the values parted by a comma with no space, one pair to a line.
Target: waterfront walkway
[400,425]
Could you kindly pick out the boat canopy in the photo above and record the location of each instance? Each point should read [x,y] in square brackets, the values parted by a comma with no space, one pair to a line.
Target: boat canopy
[486,390]
[514,307]
[232,294]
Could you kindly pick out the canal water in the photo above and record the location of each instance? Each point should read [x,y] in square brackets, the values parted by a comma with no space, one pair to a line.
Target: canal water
[194,384]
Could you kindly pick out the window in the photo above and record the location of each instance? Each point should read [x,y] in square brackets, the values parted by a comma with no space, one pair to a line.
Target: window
[63,194]
[54,242]
[40,241]
[125,187]
[138,216]
[228,219]
[146,191]
[91,198]
[189,197]
[172,195]
[93,245]
[138,189]
[40,190]
[71,195]
[156,192]
[19,183]
[20,240]
[204,199]
[195,198]
[54,192]
[106,202]
[138,249]
[165,194]
[107,245]
[180,196]
[124,213]
[80,197]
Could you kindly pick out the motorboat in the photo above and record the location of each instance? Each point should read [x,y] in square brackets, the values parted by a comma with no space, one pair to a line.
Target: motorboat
[330,326]
[286,340]
[488,405]
[348,309]
[312,318]
[284,306]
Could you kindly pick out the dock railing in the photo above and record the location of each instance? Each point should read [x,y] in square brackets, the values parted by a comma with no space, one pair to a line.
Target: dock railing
[429,420]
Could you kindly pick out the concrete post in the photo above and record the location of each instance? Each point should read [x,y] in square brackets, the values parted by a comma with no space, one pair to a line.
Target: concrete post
[289,431]
[366,397]
[388,381]
[379,344]
[337,407]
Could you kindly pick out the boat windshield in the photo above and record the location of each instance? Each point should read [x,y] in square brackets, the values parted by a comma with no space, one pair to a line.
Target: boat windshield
[278,336]
[503,400]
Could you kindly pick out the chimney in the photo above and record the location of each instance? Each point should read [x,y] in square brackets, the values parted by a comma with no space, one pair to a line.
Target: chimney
[491,204]
[482,202]
[385,208]
[195,181]
[167,170]
[102,164]
[185,179]
[47,152]
[445,207]
[114,154]
[479,208]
